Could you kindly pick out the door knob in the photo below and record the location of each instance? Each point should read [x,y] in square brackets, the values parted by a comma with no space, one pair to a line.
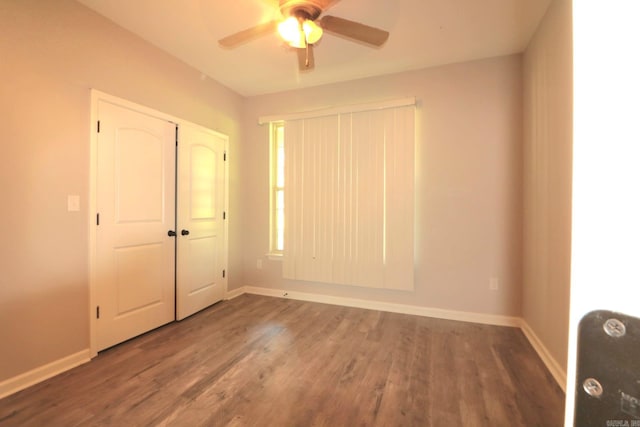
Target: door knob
[185,232]
[171,233]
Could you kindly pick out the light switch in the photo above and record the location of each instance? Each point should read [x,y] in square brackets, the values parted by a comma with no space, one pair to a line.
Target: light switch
[73,203]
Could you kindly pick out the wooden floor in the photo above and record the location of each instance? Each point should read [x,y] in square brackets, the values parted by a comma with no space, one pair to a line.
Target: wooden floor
[261,361]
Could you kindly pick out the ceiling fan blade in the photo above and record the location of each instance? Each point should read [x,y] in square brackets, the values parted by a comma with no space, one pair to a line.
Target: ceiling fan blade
[354,30]
[249,34]
[305,58]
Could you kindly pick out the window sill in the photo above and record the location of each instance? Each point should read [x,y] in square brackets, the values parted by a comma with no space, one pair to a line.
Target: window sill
[274,256]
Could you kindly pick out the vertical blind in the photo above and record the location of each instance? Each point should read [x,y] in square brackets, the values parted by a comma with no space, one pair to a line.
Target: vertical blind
[349,199]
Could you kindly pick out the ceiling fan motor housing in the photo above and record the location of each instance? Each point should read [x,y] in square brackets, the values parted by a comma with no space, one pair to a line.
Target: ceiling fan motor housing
[301,9]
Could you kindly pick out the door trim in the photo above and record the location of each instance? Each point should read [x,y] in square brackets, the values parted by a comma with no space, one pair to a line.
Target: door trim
[96,97]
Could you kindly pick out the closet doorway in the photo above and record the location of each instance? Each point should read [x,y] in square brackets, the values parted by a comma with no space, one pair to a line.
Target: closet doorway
[159,236]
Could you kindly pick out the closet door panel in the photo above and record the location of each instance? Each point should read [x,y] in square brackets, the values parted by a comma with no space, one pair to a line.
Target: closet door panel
[201,245]
[136,206]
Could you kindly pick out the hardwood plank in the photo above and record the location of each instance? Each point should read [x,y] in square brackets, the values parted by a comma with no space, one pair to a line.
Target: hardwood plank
[261,361]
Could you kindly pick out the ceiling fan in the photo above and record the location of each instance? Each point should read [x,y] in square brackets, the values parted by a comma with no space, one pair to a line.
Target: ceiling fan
[300,28]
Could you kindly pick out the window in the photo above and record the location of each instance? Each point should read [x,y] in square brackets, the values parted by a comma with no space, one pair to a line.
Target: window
[277,188]
[349,198]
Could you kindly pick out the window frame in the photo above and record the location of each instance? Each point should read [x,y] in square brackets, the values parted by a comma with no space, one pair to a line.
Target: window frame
[276,187]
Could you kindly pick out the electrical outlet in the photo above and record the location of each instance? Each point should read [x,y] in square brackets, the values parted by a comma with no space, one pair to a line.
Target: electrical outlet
[494,284]
[259,264]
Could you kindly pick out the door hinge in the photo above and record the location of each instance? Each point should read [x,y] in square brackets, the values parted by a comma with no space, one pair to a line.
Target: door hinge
[224,273]
[176,135]
[97,312]
[225,156]
[98,126]
[224,215]
[97,219]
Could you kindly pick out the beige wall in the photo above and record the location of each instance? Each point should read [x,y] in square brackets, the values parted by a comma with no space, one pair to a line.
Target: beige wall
[548,107]
[469,140]
[51,54]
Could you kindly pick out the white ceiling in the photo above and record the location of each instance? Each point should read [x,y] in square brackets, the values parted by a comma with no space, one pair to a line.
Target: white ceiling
[424,33]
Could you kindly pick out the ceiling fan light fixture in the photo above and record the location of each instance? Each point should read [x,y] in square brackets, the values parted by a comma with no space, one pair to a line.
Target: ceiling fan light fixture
[312,31]
[291,32]
[298,31]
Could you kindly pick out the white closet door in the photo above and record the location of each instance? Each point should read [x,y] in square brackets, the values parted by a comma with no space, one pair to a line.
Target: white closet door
[136,207]
[201,245]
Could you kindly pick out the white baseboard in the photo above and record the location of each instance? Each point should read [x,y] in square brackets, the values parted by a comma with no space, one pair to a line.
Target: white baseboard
[558,373]
[488,319]
[22,381]
[234,293]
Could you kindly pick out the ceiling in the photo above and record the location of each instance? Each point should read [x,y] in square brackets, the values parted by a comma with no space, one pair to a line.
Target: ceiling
[424,33]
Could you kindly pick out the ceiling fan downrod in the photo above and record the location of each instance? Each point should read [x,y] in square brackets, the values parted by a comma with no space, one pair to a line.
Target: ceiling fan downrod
[306,59]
